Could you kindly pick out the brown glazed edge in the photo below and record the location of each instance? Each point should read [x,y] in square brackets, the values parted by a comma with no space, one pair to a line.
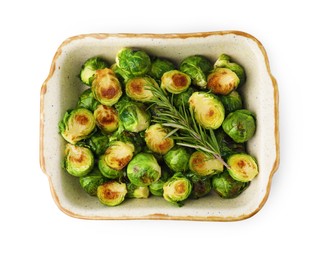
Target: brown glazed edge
[165,36]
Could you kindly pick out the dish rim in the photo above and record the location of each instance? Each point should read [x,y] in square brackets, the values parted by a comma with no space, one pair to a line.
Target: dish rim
[158,216]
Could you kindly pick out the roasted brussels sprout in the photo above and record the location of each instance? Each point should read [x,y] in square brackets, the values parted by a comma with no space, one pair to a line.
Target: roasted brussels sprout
[106,87]
[226,76]
[197,67]
[177,189]
[137,192]
[118,154]
[112,193]
[133,115]
[159,66]
[156,141]
[106,118]
[76,125]
[204,165]
[208,110]
[227,145]
[92,181]
[97,143]
[133,62]
[175,81]
[242,167]
[143,170]
[240,125]
[232,101]
[227,187]
[177,159]
[87,100]
[107,171]
[201,185]
[139,88]
[89,68]
[78,160]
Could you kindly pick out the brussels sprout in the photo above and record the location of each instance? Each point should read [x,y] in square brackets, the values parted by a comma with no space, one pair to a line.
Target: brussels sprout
[156,141]
[197,67]
[91,181]
[159,66]
[133,62]
[183,98]
[227,187]
[242,167]
[106,87]
[177,159]
[87,100]
[156,188]
[208,110]
[175,81]
[133,115]
[112,193]
[76,125]
[226,76]
[232,101]
[224,61]
[118,154]
[227,145]
[177,189]
[98,143]
[106,118]
[123,76]
[89,68]
[137,192]
[204,165]
[240,125]
[201,185]
[78,160]
[107,171]
[143,170]
[139,88]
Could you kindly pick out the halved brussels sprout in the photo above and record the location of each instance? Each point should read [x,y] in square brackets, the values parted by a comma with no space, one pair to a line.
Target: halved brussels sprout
[197,67]
[106,118]
[133,115]
[112,193]
[204,165]
[175,81]
[107,171]
[98,143]
[208,110]
[226,76]
[92,181]
[231,102]
[224,61]
[119,154]
[177,159]
[159,66]
[137,192]
[78,160]
[106,87]
[227,187]
[156,141]
[87,100]
[139,88]
[177,189]
[76,125]
[201,185]
[134,62]
[89,68]
[227,145]
[240,125]
[242,167]
[143,170]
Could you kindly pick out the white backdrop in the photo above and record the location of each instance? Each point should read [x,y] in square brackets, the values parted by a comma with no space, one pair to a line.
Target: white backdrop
[31,225]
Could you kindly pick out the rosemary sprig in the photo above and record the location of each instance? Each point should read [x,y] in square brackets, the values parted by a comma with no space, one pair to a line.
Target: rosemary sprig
[182,121]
